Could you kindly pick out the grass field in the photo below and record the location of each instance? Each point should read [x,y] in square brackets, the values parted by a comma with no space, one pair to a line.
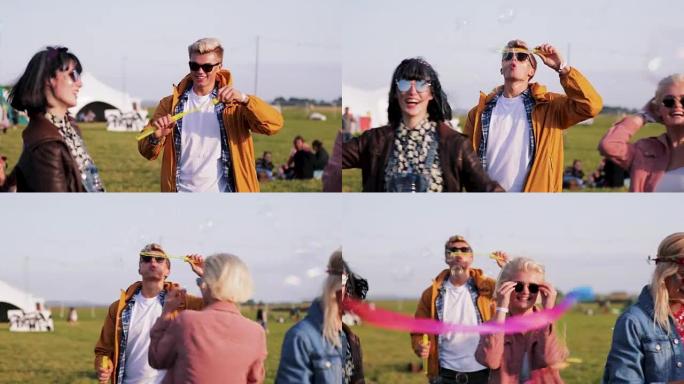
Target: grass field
[581,143]
[65,356]
[123,169]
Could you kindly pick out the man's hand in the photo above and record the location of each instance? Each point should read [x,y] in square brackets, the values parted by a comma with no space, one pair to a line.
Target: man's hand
[227,94]
[104,371]
[550,56]
[196,263]
[163,126]
[175,298]
[501,258]
[423,350]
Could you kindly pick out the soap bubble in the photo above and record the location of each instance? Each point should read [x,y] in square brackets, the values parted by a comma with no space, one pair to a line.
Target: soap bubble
[506,16]
[293,280]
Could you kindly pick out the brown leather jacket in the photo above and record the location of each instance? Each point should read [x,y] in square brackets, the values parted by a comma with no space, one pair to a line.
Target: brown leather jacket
[461,169]
[45,164]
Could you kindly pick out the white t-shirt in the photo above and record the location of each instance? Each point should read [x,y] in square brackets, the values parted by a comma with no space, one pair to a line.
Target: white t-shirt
[672,181]
[457,350]
[144,314]
[201,169]
[508,144]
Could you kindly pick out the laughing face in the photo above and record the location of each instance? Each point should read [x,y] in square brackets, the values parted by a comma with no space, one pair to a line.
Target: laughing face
[670,108]
[414,101]
[64,86]
[524,298]
[200,77]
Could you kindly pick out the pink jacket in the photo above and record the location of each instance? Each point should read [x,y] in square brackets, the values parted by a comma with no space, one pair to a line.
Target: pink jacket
[214,345]
[503,354]
[647,159]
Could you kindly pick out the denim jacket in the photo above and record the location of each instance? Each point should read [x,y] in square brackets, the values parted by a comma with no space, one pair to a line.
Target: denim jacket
[306,356]
[642,351]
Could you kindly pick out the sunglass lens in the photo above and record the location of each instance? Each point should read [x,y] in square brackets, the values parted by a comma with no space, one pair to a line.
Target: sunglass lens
[146,259]
[519,287]
[159,259]
[534,288]
[207,67]
[507,56]
[194,66]
[75,76]
[421,85]
[404,85]
[521,56]
[669,102]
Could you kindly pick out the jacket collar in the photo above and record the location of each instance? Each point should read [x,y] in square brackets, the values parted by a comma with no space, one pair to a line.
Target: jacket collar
[476,276]
[133,288]
[537,91]
[40,130]
[223,306]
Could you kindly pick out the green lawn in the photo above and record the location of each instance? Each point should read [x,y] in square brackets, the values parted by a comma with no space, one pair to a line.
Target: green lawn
[65,356]
[123,169]
[581,142]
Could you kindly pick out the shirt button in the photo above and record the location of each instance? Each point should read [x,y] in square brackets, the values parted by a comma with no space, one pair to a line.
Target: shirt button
[329,364]
[657,347]
[679,364]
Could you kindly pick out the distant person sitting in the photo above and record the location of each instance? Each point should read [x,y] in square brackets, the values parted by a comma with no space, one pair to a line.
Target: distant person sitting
[320,158]
[72,317]
[300,165]
[597,179]
[264,167]
[573,177]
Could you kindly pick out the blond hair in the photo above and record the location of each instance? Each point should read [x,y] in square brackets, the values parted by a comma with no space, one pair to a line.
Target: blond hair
[672,245]
[664,84]
[227,278]
[332,322]
[206,45]
[519,264]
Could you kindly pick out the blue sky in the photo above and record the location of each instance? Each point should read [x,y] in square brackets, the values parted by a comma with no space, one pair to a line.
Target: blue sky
[85,247]
[623,46]
[141,46]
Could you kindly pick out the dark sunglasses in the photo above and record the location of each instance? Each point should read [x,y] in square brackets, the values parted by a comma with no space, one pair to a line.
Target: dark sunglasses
[205,67]
[520,56]
[669,101]
[147,259]
[457,249]
[421,85]
[519,286]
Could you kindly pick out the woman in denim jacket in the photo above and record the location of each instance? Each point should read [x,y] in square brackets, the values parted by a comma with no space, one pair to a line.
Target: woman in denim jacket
[321,349]
[647,340]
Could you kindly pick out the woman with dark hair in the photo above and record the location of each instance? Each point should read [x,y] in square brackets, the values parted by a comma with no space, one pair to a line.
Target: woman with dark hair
[54,158]
[418,151]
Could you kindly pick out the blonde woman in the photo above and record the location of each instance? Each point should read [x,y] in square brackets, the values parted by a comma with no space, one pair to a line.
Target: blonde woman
[216,344]
[522,357]
[656,164]
[321,349]
[647,338]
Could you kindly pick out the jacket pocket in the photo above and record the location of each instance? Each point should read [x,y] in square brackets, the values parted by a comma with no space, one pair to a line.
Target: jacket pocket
[327,370]
[657,356]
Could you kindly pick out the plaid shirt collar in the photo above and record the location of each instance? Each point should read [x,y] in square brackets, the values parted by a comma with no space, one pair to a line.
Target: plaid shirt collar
[226,159]
[529,102]
[125,325]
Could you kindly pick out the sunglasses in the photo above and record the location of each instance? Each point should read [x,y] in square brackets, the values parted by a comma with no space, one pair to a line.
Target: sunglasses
[533,288]
[199,281]
[404,85]
[457,249]
[669,101]
[194,66]
[520,56]
[147,259]
[74,76]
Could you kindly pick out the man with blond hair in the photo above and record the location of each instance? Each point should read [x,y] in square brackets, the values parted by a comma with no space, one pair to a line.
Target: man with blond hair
[517,129]
[121,351]
[210,147]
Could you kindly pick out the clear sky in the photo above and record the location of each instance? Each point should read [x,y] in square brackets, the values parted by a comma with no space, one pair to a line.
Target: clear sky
[141,46]
[623,46]
[86,247]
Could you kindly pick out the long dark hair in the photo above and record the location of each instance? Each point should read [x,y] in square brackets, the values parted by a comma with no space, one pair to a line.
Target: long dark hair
[28,93]
[418,69]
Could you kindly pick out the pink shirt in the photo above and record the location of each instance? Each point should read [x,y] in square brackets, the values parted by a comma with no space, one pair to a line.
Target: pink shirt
[646,160]
[214,345]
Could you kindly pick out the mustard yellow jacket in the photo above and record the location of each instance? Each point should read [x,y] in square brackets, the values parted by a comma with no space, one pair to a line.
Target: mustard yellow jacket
[552,113]
[239,122]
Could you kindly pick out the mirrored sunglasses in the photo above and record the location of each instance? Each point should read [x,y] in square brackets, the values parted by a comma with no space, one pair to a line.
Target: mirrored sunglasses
[404,85]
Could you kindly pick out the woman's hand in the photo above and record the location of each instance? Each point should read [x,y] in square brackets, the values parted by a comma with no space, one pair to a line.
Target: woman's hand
[196,263]
[548,294]
[175,298]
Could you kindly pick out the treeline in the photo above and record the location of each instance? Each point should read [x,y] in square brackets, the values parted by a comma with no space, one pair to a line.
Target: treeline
[296,101]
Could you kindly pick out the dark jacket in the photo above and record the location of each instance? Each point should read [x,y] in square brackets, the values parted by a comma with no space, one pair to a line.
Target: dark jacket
[45,164]
[307,358]
[461,169]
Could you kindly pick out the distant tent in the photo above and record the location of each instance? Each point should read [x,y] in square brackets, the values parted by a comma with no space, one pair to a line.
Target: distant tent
[369,106]
[14,298]
[97,97]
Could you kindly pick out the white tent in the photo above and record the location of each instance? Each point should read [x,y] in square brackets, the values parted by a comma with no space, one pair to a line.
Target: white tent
[13,298]
[370,103]
[95,91]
